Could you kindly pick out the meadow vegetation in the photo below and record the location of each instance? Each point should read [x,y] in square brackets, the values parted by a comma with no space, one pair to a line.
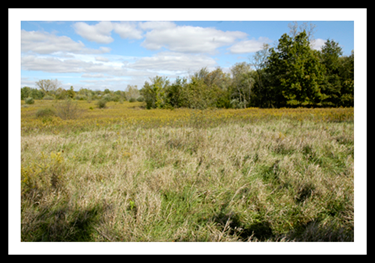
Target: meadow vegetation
[125,173]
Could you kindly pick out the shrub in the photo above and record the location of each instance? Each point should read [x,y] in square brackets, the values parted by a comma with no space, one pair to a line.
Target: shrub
[140,99]
[80,97]
[101,103]
[67,109]
[107,97]
[48,97]
[132,100]
[29,100]
[116,98]
[45,112]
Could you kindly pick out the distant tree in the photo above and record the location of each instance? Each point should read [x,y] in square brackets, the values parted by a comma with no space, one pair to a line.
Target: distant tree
[258,61]
[61,94]
[25,92]
[70,93]
[346,73]
[154,93]
[242,83]
[198,95]
[32,93]
[219,78]
[175,93]
[132,92]
[48,85]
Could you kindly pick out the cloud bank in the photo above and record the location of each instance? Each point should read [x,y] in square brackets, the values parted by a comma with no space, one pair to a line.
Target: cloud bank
[179,50]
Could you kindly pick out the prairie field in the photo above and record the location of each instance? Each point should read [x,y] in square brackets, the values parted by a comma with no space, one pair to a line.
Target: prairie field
[126,174]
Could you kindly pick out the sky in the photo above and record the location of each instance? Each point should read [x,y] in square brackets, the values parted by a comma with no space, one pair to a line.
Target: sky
[111,54]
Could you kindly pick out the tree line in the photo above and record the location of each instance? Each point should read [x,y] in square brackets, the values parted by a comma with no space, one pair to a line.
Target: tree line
[51,92]
[291,74]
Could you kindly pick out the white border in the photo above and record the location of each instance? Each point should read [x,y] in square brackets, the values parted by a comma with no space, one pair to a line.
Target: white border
[359,16]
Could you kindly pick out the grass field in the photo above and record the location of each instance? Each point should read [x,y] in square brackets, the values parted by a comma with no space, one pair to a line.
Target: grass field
[124,173]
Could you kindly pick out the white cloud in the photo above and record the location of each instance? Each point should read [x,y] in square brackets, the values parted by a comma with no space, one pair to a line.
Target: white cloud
[92,76]
[248,46]
[103,59]
[318,43]
[135,72]
[172,61]
[100,33]
[46,43]
[188,39]
[156,25]
[59,65]
[127,30]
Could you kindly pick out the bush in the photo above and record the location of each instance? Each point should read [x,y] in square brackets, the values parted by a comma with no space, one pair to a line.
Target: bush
[48,97]
[45,112]
[80,97]
[116,98]
[107,97]
[67,109]
[101,103]
[140,99]
[132,100]
[29,100]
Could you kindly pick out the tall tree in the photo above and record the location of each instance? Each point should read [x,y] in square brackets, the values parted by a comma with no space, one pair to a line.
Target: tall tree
[242,83]
[176,93]
[346,73]
[259,62]
[296,29]
[155,93]
[330,58]
[295,71]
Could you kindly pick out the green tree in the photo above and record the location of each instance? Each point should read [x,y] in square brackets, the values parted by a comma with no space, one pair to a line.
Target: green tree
[61,94]
[70,93]
[258,61]
[25,92]
[295,72]
[155,93]
[32,93]
[199,95]
[346,73]
[176,93]
[242,83]
[330,59]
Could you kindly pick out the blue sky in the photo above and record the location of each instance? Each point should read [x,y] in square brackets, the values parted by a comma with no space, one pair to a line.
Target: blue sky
[112,54]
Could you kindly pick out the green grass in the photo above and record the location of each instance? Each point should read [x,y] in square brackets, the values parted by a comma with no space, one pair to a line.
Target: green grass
[273,179]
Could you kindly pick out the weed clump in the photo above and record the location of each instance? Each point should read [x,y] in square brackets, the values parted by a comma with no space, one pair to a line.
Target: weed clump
[45,112]
[101,103]
[48,97]
[68,110]
[29,100]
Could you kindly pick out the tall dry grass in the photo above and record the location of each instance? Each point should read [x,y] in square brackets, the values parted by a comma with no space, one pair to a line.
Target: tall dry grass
[277,179]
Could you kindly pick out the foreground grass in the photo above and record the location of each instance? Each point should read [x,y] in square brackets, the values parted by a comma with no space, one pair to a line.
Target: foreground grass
[128,174]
